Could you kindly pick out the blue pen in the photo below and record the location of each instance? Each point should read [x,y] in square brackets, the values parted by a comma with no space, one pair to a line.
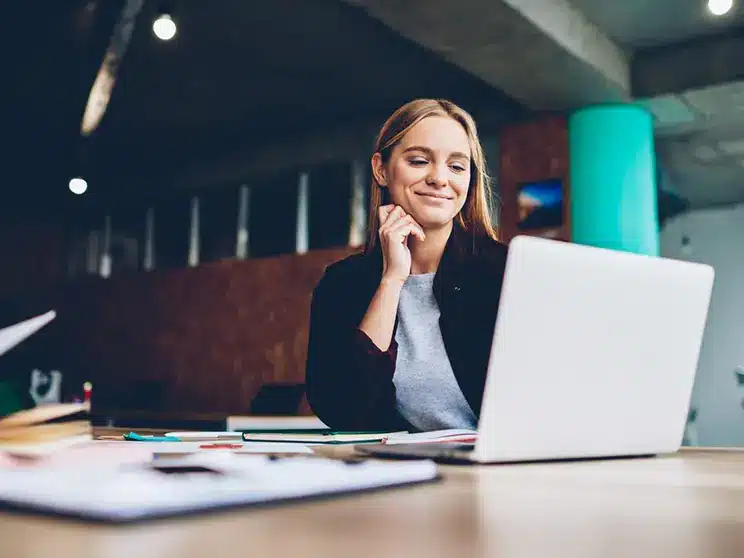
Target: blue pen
[139,438]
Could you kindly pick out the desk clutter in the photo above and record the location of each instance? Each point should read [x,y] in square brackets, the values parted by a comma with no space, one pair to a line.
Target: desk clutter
[196,483]
[45,429]
[324,436]
[54,467]
[50,463]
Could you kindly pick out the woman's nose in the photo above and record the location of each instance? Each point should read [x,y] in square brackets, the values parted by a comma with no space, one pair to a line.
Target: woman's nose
[437,177]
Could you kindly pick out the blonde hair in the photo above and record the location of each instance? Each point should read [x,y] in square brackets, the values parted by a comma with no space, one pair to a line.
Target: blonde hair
[475,216]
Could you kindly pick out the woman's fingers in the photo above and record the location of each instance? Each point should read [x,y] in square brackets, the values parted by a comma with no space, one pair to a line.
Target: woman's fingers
[402,227]
[384,212]
[396,216]
[412,228]
[395,221]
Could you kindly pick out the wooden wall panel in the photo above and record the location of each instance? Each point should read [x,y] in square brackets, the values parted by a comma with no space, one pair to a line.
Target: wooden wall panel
[199,340]
[529,151]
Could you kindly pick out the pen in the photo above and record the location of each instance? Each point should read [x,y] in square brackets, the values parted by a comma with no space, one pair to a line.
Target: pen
[140,438]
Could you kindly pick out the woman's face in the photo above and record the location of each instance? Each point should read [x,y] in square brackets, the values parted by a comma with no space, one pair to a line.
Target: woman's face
[428,173]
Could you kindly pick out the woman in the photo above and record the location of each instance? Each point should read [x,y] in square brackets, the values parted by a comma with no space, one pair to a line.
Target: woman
[400,335]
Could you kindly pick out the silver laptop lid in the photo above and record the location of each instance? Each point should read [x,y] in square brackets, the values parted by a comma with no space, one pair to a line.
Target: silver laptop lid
[594,353]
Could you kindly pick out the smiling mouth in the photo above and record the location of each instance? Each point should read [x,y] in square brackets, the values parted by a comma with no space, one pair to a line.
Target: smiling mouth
[435,196]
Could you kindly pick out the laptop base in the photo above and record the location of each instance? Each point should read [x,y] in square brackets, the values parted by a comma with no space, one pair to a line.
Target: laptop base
[463,454]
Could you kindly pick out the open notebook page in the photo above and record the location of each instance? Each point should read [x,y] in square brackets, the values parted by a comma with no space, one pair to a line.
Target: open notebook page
[451,435]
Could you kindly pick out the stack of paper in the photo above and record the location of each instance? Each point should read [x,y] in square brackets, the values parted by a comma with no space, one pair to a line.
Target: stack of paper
[44,429]
[274,423]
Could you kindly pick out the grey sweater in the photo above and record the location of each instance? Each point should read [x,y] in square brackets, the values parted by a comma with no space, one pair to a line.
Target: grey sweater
[428,395]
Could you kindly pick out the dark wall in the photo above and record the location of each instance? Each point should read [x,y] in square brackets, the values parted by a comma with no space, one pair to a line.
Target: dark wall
[32,253]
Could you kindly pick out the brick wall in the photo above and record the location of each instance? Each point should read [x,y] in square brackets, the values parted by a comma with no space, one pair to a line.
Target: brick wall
[199,340]
[534,150]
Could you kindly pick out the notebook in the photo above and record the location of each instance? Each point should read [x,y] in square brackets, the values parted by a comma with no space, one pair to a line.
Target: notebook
[201,436]
[328,437]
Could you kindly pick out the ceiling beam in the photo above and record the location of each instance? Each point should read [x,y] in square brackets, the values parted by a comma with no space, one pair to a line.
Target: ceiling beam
[695,64]
[544,53]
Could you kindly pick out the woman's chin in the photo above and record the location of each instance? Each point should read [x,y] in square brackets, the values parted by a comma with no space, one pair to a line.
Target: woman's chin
[433,222]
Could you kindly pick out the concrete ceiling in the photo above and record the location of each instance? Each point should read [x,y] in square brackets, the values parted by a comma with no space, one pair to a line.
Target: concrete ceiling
[691,77]
[687,70]
[544,53]
[635,24]
[670,55]
[700,139]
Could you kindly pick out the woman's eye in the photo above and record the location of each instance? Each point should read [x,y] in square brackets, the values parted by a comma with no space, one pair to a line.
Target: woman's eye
[458,167]
[418,162]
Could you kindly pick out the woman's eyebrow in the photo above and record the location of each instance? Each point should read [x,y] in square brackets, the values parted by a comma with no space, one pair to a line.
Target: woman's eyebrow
[429,151]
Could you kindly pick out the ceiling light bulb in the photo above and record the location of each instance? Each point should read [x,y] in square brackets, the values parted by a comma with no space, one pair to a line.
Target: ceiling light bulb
[720,7]
[164,27]
[78,186]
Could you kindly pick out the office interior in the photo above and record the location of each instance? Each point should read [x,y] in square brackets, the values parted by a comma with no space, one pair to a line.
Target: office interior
[177,175]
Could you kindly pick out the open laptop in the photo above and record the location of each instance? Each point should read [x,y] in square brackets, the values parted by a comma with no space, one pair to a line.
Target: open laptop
[594,355]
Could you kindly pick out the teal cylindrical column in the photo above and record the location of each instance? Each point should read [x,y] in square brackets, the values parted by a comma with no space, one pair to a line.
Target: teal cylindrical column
[613,197]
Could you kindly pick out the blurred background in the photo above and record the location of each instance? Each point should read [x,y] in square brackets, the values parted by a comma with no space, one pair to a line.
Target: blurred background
[176,175]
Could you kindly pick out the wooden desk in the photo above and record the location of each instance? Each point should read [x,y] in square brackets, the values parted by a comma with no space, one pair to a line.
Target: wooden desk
[691,504]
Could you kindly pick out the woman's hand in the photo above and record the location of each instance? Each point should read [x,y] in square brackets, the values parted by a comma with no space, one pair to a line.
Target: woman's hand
[395,227]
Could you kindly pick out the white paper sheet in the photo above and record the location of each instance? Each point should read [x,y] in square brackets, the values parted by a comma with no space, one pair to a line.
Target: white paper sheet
[246,447]
[142,492]
[12,335]
[84,453]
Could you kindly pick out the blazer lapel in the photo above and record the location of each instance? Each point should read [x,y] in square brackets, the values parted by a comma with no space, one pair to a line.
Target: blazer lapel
[453,291]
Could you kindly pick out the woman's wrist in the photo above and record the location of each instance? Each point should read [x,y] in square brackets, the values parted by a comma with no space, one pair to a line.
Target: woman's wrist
[391,282]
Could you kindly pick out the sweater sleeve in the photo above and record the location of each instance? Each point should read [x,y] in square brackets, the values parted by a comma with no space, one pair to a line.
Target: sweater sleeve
[349,379]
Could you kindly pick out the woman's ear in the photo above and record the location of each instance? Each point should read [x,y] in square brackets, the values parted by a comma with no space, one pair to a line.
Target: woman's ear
[378,169]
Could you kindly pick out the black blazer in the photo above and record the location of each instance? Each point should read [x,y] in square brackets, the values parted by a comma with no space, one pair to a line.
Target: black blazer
[350,380]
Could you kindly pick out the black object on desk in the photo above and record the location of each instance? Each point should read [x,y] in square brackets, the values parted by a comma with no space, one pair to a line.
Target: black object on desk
[278,399]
